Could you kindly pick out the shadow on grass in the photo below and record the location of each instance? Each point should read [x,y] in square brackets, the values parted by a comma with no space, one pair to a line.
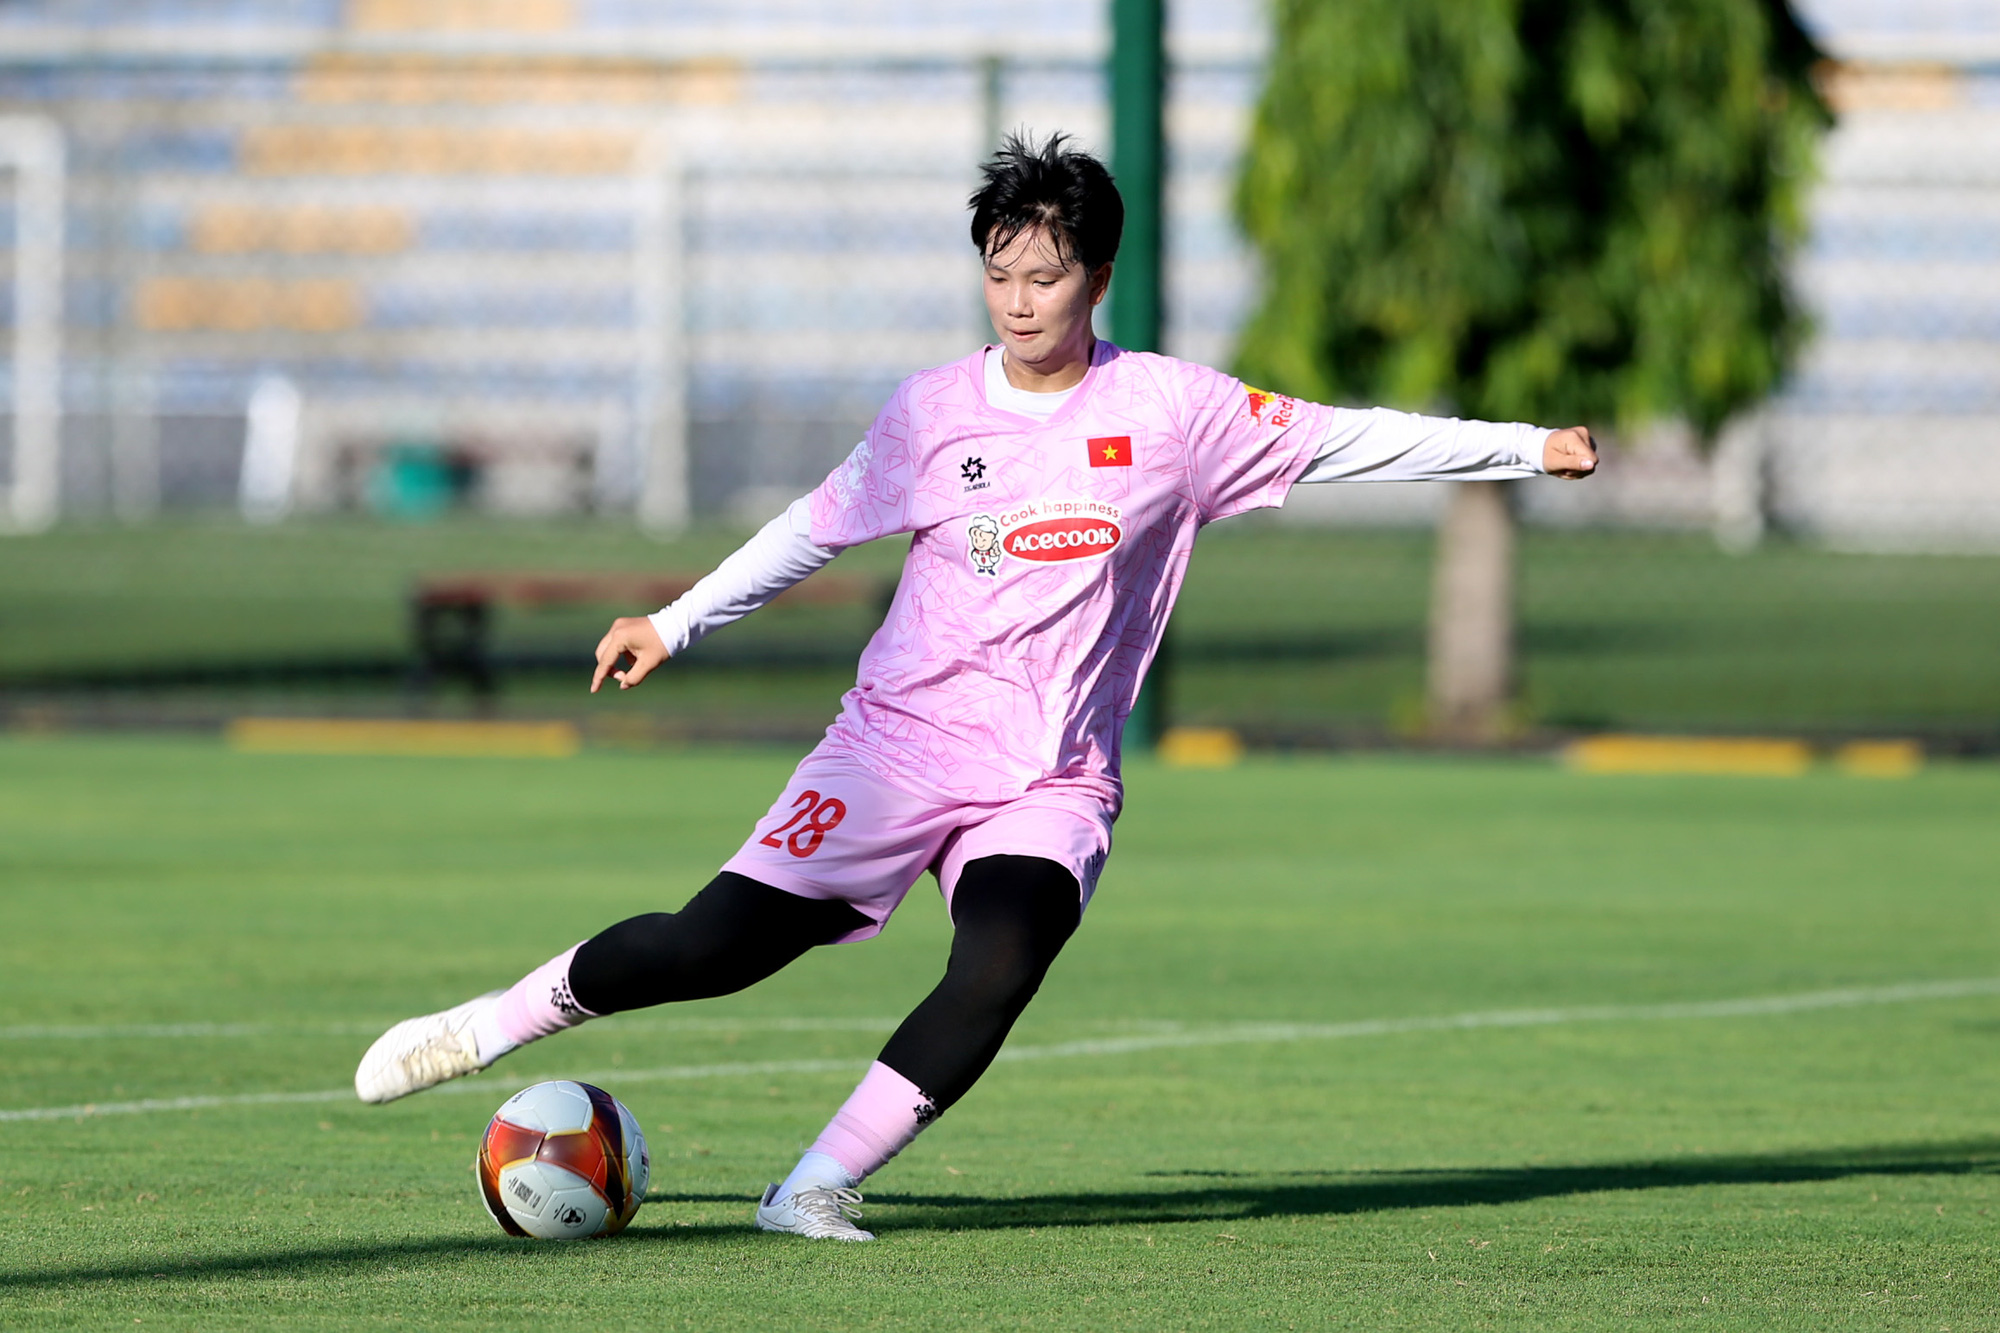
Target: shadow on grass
[1210,1196]
[1217,1195]
[1309,1193]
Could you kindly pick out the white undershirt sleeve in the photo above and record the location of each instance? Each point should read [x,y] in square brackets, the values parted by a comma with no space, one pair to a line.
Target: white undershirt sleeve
[1377,444]
[779,556]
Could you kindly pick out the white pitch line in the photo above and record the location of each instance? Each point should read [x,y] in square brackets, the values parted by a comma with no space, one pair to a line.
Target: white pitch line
[1250,1033]
[101,1031]
[155,1031]
[1230,1034]
[89,1109]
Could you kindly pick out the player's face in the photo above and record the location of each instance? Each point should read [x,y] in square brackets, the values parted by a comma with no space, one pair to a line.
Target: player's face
[1040,306]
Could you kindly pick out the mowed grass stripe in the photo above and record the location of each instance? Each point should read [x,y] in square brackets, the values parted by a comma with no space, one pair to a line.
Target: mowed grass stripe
[1236,1034]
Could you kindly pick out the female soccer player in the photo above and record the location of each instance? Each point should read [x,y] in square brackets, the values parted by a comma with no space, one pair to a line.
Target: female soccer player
[1054,485]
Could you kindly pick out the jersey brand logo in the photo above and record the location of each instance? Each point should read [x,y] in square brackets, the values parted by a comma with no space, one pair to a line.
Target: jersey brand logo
[1110,451]
[973,470]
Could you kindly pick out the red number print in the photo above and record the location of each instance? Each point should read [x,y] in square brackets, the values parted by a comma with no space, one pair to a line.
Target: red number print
[807,800]
[824,819]
[821,818]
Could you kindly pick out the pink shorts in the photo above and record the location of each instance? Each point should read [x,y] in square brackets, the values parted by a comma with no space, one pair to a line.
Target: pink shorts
[842,831]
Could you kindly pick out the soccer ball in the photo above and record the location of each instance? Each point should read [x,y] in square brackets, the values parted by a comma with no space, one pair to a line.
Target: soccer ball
[563,1161]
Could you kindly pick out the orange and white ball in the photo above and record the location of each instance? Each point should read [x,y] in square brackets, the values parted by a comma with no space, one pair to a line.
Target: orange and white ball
[563,1161]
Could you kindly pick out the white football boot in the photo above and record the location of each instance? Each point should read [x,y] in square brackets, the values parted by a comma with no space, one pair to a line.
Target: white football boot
[420,1053]
[817,1214]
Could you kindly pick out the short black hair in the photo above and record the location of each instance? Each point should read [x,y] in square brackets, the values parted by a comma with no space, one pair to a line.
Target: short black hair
[1054,186]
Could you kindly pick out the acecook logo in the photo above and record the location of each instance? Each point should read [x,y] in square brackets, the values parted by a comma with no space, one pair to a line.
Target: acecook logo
[1043,532]
[1063,539]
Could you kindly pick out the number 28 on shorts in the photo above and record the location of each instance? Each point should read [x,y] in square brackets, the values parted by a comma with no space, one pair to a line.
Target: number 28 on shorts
[820,817]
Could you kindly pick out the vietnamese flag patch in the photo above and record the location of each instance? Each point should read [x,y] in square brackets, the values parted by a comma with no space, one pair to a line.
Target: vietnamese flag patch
[1110,451]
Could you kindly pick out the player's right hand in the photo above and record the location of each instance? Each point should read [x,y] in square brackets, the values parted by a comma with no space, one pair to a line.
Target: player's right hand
[629,636]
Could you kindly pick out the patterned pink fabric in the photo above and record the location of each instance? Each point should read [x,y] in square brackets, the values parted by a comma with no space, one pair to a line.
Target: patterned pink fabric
[1047,556]
[841,830]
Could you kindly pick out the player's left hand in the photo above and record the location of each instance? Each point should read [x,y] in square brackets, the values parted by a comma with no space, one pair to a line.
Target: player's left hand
[1569,453]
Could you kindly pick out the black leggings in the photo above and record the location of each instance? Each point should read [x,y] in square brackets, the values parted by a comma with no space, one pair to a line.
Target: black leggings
[1011,915]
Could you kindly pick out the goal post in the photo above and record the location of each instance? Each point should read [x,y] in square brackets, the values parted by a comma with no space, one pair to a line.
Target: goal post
[32,148]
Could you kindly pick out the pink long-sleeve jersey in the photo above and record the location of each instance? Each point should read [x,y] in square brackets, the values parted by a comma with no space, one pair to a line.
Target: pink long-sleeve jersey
[1046,557]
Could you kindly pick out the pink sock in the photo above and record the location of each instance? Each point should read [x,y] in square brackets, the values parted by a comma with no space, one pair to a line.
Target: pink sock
[536,1005]
[876,1123]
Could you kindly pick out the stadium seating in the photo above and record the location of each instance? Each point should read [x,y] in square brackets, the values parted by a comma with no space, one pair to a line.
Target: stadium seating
[426,214]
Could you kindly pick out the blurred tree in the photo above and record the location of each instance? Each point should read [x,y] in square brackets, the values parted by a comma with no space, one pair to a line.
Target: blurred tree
[1557,211]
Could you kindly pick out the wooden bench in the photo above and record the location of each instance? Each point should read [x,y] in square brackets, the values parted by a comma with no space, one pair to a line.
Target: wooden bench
[451,615]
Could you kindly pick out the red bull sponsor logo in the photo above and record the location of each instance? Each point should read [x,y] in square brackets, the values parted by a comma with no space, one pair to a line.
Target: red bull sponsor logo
[1270,409]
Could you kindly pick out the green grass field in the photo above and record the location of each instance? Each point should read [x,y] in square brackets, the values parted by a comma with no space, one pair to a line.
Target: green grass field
[1287,632]
[184,922]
